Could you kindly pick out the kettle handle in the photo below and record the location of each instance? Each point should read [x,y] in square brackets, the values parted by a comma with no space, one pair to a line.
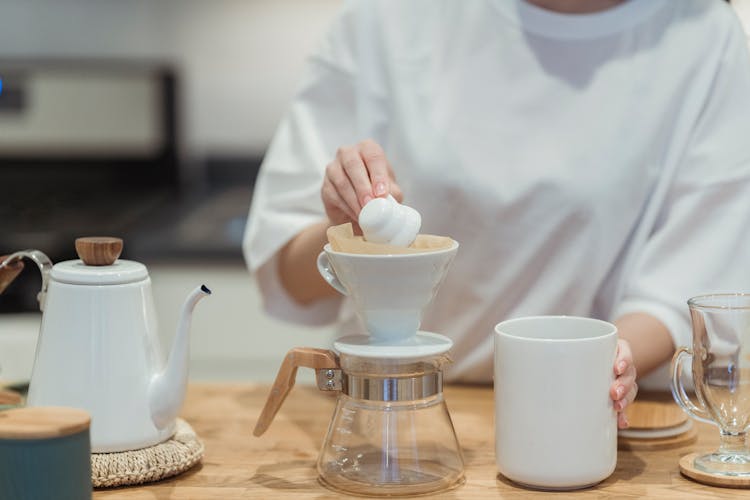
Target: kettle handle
[8,271]
[309,357]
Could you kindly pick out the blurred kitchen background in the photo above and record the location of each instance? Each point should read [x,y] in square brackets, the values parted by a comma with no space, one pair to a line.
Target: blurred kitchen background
[148,120]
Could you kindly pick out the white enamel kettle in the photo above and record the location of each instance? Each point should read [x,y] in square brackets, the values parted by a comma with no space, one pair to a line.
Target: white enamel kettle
[98,346]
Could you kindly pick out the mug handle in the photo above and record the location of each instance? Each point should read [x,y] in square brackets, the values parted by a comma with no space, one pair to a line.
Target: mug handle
[678,390]
[329,274]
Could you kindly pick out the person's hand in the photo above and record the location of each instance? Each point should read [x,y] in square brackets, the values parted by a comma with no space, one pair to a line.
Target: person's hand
[9,272]
[624,388]
[356,175]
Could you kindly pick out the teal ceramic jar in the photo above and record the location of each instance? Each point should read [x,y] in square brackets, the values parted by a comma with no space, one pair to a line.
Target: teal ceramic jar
[45,454]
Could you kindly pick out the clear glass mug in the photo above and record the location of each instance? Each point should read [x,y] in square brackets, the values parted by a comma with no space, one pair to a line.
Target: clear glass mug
[721,377]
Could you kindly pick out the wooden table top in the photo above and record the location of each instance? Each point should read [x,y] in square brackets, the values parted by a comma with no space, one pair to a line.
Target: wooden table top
[281,463]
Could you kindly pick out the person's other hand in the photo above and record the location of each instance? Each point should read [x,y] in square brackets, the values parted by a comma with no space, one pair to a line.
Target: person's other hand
[624,388]
[356,175]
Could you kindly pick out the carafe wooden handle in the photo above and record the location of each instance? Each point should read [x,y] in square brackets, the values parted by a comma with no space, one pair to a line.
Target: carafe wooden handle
[318,359]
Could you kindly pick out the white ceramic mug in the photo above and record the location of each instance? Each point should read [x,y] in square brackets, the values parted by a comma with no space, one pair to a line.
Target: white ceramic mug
[555,424]
[389,291]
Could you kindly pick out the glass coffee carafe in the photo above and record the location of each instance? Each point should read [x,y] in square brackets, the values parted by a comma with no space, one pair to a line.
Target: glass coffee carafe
[721,377]
[390,433]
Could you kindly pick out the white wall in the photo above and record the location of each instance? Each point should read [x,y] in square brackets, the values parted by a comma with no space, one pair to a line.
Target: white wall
[232,338]
[240,59]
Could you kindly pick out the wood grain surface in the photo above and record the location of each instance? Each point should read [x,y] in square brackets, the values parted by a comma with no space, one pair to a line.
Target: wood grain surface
[281,463]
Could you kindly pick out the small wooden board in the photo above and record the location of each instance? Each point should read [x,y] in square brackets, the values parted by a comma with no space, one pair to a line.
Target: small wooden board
[687,467]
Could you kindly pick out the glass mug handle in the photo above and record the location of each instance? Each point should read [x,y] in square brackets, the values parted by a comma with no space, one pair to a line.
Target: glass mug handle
[678,390]
[326,270]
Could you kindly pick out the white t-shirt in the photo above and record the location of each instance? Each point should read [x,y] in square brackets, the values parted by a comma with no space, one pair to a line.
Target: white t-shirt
[588,165]
[742,9]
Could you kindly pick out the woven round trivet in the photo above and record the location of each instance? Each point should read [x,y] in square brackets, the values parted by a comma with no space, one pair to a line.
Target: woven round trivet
[146,465]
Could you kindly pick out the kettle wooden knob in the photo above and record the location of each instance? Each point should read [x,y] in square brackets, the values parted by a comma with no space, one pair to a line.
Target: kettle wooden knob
[98,250]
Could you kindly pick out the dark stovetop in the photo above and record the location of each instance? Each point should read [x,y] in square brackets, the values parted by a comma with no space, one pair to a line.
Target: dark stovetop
[162,227]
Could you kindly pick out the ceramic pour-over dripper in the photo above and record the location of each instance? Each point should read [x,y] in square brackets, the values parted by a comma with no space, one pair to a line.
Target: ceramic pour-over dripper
[390,433]
[389,291]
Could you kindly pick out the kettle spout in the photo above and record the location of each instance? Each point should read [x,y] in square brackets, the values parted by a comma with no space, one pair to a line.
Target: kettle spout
[167,389]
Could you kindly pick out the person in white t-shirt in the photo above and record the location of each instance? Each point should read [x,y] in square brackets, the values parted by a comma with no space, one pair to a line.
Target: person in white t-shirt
[592,158]
[742,9]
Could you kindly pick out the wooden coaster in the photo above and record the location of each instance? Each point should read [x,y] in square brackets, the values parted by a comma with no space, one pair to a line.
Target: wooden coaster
[660,443]
[666,432]
[687,467]
[654,414]
[656,423]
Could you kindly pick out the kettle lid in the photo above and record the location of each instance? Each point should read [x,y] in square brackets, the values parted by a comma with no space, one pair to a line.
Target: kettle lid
[76,272]
[98,264]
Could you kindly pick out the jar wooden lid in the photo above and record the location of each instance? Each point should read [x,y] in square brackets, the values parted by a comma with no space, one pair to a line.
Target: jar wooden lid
[42,422]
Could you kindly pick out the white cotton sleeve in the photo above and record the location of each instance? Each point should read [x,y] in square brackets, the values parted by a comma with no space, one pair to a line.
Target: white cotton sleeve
[278,304]
[701,241]
[671,317]
[286,198]
[742,9]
